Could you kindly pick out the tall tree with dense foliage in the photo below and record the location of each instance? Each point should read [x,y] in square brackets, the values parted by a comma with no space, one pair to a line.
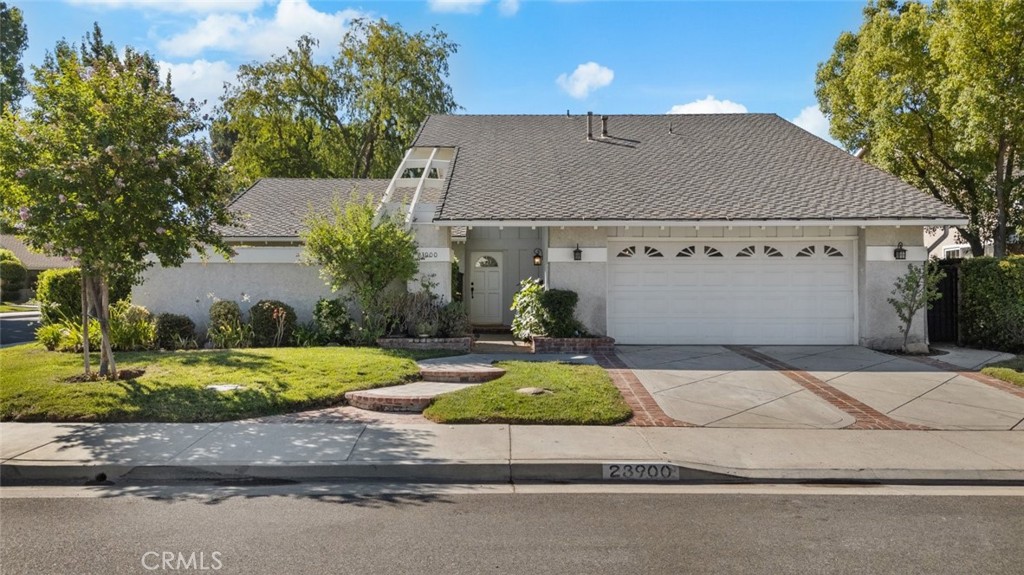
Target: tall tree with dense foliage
[107,168]
[935,95]
[13,41]
[350,117]
[361,253]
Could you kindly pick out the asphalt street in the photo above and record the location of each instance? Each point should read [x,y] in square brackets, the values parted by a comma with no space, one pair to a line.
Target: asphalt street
[375,533]
[18,329]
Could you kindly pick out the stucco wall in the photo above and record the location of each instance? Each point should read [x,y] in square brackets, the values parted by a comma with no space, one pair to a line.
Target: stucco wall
[879,326]
[588,279]
[187,290]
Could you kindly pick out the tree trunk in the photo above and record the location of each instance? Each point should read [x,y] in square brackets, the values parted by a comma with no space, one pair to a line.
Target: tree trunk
[85,323]
[999,237]
[107,365]
[977,247]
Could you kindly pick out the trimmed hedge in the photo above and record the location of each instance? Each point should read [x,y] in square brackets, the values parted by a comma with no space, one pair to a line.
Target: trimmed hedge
[172,328]
[59,292]
[12,278]
[264,325]
[992,303]
[8,255]
[559,317]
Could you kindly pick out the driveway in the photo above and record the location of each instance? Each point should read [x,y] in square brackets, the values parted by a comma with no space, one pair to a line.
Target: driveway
[819,387]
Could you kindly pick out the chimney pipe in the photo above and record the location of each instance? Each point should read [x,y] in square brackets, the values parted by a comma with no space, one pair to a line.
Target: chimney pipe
[590,126]
[604,126]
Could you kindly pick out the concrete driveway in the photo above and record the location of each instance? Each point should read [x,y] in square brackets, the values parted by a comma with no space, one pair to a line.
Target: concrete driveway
[820,387]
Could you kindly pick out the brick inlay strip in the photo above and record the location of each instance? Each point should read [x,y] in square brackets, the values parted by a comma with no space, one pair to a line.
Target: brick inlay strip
[972,375]
[646,411]
[865,416]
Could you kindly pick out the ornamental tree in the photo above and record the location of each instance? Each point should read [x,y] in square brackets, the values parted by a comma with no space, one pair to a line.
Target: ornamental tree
[934,93]
[107,169]
[361,253]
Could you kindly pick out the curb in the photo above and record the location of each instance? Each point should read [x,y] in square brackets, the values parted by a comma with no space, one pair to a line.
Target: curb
[481,472]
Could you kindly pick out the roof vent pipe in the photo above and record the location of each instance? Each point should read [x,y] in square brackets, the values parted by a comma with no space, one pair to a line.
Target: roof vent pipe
[604,126]
[590,126]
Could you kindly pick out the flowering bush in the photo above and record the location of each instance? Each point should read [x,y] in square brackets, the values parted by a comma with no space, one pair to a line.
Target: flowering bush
[273,323]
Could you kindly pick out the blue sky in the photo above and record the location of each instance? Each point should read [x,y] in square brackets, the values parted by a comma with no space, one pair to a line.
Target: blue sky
[515,56]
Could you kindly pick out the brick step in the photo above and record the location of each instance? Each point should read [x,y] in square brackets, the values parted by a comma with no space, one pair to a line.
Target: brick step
[461,373]
[408,398]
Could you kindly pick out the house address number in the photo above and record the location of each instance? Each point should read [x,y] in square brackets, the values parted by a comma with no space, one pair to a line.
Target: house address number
[434,254]
[640,471]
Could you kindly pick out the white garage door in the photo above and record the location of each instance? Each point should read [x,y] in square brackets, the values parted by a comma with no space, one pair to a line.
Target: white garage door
[765,292]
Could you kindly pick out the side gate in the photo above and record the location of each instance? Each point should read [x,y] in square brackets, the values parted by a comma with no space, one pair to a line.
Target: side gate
[943,324]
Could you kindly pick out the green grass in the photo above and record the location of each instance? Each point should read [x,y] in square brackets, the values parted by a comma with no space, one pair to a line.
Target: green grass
[1011,370]
[33,384]
[581,395]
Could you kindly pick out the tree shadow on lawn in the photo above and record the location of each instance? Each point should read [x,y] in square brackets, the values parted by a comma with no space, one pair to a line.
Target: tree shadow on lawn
[236,359]
[155,402]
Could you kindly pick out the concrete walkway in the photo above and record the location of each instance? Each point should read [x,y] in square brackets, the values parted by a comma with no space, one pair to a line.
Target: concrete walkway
[32,453]
[824,387]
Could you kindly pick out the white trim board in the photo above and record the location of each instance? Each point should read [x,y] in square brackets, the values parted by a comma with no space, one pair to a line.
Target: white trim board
[884,254]
[698,223]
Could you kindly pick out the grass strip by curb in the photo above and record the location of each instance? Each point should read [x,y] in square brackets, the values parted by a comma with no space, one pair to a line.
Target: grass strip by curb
[579,395]
[1010,371]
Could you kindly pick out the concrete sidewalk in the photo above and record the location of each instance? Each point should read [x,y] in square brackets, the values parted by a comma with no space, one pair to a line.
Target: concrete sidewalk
[75,453]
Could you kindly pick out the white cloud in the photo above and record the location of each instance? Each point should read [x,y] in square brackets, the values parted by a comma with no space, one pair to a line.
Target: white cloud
[709,105]
[508,7]
[585,79]
[458,6]
[255,37]
[812,120]
[175,5]
[201,79]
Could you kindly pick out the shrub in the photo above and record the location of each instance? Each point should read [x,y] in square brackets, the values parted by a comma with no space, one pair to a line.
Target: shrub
[309,335]
[273,323]
[175,331]
[8,255]
[526,303]
[66,335]
[59,292]
[331,320]
[131,327]
[225,312]
[545,312]
[12,278]
[992,303]
[559,314]
[453,321]
[230,336]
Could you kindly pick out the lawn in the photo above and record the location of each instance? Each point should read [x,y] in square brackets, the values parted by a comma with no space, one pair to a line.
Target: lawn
[8,307]
[1011,370]
[580,395]
[33,384]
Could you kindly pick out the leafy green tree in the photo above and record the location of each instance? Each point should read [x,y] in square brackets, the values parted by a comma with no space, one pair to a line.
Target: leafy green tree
[913,291]
[13,41]
[361,253]
[352,117]
[934,94]
[108,169]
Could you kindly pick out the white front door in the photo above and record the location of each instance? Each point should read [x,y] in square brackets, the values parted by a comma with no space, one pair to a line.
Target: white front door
[485,304]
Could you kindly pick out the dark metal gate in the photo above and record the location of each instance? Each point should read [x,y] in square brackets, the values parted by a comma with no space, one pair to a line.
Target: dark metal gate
[943,324]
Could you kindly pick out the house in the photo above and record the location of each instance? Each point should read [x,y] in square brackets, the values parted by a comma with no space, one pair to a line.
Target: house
[702,229]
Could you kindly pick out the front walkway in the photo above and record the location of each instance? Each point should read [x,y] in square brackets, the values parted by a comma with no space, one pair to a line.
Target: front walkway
[822,387]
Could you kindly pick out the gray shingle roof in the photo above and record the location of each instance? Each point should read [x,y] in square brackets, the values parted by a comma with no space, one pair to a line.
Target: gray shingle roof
[710,167]
[32,260]
[276,207]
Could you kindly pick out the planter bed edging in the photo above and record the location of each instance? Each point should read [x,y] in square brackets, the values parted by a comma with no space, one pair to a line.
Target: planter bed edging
[583,345]
[421,343]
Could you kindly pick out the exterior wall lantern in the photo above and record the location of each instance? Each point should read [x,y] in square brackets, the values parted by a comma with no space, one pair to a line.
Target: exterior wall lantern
[577,254]
[538,257]
[900,252]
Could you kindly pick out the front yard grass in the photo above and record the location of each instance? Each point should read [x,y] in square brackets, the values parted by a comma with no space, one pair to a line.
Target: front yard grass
[580,395]
[33,384]
[1011,370]
[6,307]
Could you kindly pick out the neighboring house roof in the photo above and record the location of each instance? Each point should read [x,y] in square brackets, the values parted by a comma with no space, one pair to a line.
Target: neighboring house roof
[276,207]
[32,260]
[660,167]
